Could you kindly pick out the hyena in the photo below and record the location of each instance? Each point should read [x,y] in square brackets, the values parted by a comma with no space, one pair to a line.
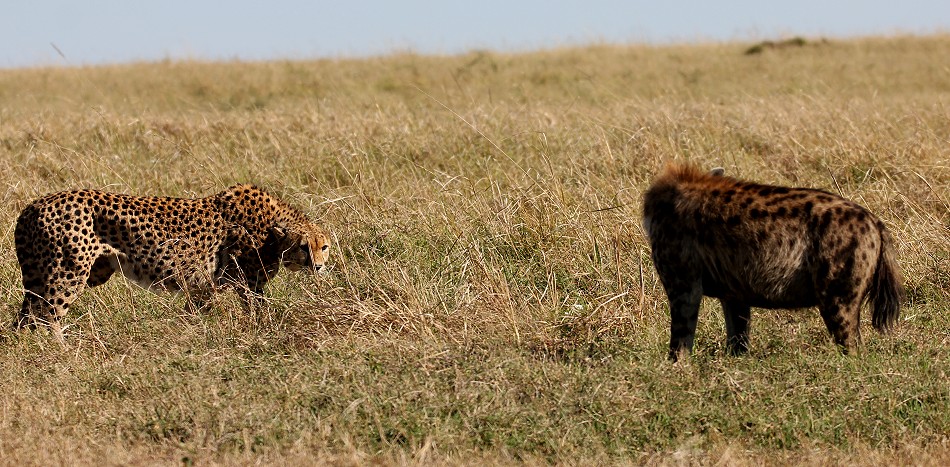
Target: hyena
[752,245]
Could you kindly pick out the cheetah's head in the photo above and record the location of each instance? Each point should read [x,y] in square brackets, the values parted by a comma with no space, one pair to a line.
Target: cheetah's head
[305,248]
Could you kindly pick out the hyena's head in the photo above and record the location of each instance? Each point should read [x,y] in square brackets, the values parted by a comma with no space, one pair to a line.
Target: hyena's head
[648,221]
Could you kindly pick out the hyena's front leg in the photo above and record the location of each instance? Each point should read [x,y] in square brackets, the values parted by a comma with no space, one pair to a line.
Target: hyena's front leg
[737,316]
[684,313]
[680,273]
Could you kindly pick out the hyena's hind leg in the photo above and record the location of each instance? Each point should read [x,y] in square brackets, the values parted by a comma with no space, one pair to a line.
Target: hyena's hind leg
[841,286]
[737,316]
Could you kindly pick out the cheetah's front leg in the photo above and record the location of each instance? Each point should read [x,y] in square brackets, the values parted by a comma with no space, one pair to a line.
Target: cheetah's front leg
[251,298]
[196,300]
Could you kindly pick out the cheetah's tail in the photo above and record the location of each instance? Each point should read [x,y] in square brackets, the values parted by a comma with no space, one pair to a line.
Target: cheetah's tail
[886,292]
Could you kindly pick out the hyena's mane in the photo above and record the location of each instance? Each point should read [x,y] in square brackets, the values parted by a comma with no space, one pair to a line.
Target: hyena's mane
[682,188]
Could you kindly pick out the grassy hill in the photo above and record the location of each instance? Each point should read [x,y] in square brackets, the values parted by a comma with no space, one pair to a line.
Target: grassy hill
[491,296]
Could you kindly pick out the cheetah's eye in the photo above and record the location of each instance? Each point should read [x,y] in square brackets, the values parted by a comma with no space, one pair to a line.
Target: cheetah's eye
[325,246]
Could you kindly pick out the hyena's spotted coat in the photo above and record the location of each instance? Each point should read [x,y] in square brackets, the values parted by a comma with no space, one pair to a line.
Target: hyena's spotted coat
[752,245]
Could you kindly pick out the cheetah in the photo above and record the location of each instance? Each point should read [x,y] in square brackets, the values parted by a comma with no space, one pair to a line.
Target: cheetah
[752,245]
[237,239]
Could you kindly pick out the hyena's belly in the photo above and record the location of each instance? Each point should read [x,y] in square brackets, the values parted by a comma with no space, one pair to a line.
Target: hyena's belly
[759,283]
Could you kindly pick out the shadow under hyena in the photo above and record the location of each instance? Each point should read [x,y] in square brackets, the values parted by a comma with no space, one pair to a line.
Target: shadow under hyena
[752,245]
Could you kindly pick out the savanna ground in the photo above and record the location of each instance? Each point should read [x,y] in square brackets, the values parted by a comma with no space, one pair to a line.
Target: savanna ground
[491,296]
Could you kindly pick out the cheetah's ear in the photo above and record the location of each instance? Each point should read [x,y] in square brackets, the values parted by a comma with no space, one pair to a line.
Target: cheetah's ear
[717,172]
[285,235]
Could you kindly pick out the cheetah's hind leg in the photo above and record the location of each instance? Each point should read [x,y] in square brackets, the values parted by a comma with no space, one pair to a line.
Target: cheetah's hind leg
[26,319]
[33,306]
[37,311]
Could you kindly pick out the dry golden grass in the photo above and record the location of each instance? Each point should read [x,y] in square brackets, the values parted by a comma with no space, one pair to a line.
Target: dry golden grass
[491,297]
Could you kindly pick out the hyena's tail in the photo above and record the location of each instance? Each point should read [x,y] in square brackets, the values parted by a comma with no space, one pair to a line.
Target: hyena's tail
[886,292]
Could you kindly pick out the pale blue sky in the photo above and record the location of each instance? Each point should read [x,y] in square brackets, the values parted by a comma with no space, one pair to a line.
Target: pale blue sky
[110,31]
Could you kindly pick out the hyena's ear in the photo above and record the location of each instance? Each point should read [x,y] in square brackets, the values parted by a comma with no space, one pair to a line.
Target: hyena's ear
[717,172]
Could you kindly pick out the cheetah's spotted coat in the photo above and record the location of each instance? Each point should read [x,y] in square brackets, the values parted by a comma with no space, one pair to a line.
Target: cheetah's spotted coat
[237,238]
